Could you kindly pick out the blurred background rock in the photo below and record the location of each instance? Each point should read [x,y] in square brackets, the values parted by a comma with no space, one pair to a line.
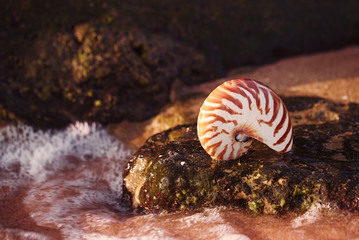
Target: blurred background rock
[107,61]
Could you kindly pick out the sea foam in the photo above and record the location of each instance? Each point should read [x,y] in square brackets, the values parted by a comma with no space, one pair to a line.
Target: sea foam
[39,154]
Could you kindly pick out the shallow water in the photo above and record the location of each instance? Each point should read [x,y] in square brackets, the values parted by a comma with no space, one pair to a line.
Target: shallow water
[67,185]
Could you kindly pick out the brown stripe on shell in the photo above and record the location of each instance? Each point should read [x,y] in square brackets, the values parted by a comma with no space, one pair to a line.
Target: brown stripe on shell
[206,139]
[232,153]
[222,107]
[220,94]
[282,120]
[214,146]
[284,136]
[235,122]
[228,87]
[266,96]
[252,88]
[212,129]
[220,156]
[216,116]
[287,146]
[224,131]
[276,102]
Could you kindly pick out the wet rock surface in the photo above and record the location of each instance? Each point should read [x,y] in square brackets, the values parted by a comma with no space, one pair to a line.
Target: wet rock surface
[172,171]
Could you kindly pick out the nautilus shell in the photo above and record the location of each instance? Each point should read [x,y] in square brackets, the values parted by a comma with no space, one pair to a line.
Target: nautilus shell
[237,112]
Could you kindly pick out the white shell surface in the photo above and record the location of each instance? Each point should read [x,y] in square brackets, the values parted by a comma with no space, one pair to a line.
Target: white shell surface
[243,107]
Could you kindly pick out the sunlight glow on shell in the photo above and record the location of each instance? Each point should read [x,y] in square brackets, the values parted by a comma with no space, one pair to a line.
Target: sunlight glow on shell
[237,112]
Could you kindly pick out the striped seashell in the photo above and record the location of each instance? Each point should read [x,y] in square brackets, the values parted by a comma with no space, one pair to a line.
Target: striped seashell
[237,112]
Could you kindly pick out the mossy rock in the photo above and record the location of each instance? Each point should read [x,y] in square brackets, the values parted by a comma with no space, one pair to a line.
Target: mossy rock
[172,171]
[99,73]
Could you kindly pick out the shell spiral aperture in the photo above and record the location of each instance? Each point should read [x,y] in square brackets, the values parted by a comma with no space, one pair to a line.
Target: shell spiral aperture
[239,111]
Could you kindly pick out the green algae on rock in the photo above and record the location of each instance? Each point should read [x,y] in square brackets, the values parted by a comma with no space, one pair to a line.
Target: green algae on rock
[172,172]
[99,73]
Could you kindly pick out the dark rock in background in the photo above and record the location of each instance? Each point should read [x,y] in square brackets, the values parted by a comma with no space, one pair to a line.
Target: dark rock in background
[172,171]
[99,73]
[59,60]
[232,33]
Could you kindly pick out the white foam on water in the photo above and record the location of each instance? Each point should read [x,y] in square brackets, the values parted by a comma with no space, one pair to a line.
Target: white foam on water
[208,215]
[218,227]
[310,216]
[41,154]
[21,234]
[226,232]
[208,224]
[94,236]
[67,171]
